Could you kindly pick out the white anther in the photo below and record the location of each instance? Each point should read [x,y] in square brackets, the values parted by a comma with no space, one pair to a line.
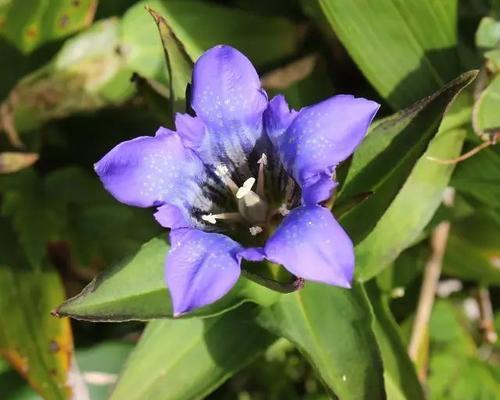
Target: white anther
[246,188]
[209,218]
[283,210]
[230,216]
[255,230]
[262,159]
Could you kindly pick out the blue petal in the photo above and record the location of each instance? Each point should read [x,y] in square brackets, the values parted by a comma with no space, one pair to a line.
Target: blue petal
[201,268]
[174,217]
[311,244]
[277,118]
[320,137]
[227,96]
[153,171]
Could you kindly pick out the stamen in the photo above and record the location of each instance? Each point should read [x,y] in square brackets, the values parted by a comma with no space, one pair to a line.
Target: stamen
[212,218]
[209,218]
[246,188]
[255,230]
[261,179]
[283,210]
[223,173]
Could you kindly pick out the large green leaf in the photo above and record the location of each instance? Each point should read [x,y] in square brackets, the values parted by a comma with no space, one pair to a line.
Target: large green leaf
[135,290]
[486,109]
[34,221]
[199,26]
[37,345]
[101,364]
[419,197]
[473,249]
[187,359]
[478,178]
[385,159]
[401,380]
[332,327]
[386,38]
[29,23]
[179,64]
[457,369]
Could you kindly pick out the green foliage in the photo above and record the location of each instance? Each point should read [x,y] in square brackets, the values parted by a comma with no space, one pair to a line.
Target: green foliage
[197,354]
[135,290]
[38,346]
[31,23]
[331,327]
[385,38]
[82,76]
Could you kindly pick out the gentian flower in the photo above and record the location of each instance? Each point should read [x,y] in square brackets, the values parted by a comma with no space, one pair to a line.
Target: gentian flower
[242,179]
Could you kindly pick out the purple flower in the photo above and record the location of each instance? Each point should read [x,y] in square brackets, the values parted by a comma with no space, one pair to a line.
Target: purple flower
[242,180]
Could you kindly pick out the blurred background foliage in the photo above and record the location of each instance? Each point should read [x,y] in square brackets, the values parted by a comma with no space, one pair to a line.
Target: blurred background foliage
[79,76]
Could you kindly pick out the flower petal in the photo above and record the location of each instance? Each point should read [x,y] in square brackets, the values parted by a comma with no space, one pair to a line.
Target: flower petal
[311,244]
[201,268]
[151,171]
[227,96]
[277,118]
[320,137]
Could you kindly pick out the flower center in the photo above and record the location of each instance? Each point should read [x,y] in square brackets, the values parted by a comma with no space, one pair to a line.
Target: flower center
[252,204]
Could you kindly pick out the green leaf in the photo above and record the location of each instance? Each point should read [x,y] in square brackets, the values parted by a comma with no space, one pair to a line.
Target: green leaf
[487,106]
[33,219]
[135,290]
[104,360]
[30,23]
[488,34]
[331,326]
[386,158]
[37,345]
[419,197]
[179,65]
[85,75]
[385,38]
[401,380]
[199,26]
[457,369]
[473,249]
[478,178]
[187,359]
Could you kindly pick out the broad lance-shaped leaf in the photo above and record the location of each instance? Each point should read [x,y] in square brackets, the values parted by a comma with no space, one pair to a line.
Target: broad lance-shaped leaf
[385,38]
[332,327]
[401,380]
[105,358]
[37,345]
[473,248]
[198,26]
[135,290]
[188,359]
[486,109]
[30,23]
[418,199]
[385,159]
[179,65]
[478,177]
